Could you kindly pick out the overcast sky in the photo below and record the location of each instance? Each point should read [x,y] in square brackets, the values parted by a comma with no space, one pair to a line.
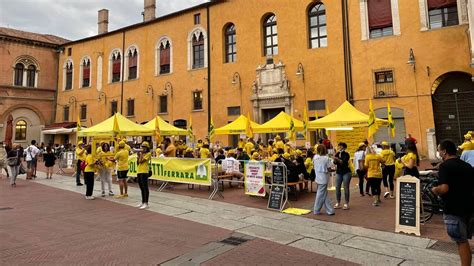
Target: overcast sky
[77,19]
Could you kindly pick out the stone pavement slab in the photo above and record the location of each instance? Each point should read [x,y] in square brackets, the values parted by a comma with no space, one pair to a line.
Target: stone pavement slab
[340,241]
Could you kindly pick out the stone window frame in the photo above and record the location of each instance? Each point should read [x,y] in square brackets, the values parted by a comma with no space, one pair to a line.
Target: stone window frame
[68,62]
[195,32]
[110,68]
[81,69]
[364,20]
[26,61]
[163,40]
[125,57]
[424,18]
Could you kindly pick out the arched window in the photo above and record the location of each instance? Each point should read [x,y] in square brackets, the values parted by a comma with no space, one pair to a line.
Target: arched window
[116,62]
[132,55]
[270,35]
[165,57]
[69,72]
[86,72]
[318,36]
[30,76]
[20,130]
[230,44]
[198,51]
[19,68]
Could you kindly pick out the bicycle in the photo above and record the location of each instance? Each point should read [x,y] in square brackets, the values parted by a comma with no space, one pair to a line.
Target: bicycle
[430,203]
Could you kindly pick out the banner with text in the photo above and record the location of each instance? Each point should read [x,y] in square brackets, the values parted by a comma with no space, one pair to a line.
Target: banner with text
[178,170]
[255,178]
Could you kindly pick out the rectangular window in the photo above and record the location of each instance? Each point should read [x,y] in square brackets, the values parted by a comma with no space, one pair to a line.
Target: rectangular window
[130,107]
[442,14]
[233,110]
[317,105]
[165,66]
[66,113]
[163,104]
[116,65]
[132,67]
[83,112]
[197,19]
[113,107]
[198,55]
[197,100]
[384,84]
[68,79]
[380,18]
[86,76]
[69,51]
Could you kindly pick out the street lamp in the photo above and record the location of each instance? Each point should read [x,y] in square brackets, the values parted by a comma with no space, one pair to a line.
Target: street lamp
[300,71]
[169,88]
[73,100]
[411,59]
[102,95]
[236,80]
[149,91]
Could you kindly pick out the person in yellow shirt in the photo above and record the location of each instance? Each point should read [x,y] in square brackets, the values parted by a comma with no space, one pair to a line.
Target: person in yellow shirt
[81,155]
[105,169]
[279,143]
[121,158]
[143,161]
[388,169]
[467,145]
[91,164]
[241,143]
[204,151]
[199,144]
[255,157]
[309,165]
[372,163]
[411,161]
[249,146]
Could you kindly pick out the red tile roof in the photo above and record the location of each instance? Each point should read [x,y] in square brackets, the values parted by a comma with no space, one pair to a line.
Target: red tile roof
[45,38]
[61,125]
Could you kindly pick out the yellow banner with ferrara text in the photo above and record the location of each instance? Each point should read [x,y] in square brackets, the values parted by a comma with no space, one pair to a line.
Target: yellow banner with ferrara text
[178,170]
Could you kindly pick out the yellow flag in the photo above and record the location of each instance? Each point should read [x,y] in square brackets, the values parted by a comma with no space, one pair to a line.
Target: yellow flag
[391,124]
[116,125]
[78,124]
[305,122]
[248,128]
[327,109]
[211,129]
[190,129]
[157,131]
[292,132]
[316,116]
[373,127]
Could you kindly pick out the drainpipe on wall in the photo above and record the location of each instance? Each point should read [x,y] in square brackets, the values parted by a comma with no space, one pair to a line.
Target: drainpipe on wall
[123,71]
[58,51]
[208,68]
[347,52]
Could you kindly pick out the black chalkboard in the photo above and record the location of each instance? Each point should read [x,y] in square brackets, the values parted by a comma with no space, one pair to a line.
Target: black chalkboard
[407,204]
[275,201]
[277,175]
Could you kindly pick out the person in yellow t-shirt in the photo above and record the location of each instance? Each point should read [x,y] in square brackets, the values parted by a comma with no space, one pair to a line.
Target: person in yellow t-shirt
[249,146]
[279,144]
[308,163]
[143,161]
[91,164]
[204,151]
[411,161]
[372,163]
[121,158]
[255,157]
[105,169]
[241,143]
[199,144]
[81,155]
[388,169]
[467,145]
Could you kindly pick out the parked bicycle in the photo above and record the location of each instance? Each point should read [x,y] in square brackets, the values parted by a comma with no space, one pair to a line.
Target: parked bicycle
[430,203]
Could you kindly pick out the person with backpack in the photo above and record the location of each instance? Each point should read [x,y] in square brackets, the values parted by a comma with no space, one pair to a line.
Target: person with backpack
[31,156]
[13,161]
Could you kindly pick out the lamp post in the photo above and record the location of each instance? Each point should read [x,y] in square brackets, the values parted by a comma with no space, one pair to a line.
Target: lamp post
[237,81]
[169,91]
[411,59]
[300,71]
[149,92]
[101,96]
[73,100]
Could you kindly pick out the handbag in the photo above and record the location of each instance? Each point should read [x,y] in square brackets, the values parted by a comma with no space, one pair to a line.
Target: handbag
[21,170]
[12,161]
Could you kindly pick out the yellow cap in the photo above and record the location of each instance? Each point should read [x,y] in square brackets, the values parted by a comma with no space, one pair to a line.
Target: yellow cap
[122,143]
[80,143]
[468,136]
[362,144]
[299,152]
[277,137]
[158,151]
[189,150]
[255,155]
[286,155]
[384,143]
[231,152]
[145,144]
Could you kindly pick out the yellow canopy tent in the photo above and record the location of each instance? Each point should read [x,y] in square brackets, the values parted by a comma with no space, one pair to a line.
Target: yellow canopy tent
[117,125]
[236,127]
[280,123]
[166,129]
[345,117]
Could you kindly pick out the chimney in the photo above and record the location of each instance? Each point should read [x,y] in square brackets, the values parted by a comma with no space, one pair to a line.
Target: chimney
[149,13]
[103,21]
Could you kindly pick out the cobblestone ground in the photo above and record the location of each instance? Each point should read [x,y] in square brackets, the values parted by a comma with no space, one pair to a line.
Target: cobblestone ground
[44,225]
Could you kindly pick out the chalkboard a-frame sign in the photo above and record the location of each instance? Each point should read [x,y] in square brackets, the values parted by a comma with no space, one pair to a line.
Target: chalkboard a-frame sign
[276,200]
[407,218]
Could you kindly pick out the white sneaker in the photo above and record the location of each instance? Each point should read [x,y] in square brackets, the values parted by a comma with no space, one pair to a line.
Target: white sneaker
[144,206]
[139,205]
